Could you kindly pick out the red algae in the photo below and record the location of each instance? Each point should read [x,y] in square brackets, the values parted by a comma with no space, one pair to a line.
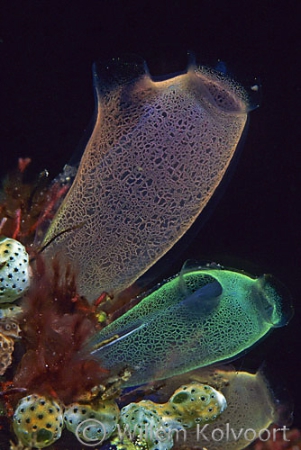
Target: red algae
[27,205]
[55,324]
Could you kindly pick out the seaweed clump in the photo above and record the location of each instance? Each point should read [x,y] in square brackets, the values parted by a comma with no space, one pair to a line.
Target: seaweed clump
[55,323]
[27,206]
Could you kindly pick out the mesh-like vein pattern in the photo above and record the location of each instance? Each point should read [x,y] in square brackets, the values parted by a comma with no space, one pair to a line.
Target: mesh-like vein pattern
[156,155]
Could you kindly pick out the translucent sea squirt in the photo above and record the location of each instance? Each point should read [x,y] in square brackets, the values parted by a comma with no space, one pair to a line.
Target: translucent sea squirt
[158,151]
[193,320]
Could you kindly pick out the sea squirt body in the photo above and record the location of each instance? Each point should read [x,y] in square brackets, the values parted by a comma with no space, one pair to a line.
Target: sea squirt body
[202,316]
[158,151]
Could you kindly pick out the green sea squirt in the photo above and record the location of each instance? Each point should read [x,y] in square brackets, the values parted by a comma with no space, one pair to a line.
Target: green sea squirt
[199,317]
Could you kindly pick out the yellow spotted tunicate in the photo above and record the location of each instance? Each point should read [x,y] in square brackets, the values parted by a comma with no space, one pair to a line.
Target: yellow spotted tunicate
[155,425]
[38,421]
[92,422]
[196,403]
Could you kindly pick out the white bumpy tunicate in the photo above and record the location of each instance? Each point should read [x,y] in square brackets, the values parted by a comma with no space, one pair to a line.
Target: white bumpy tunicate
[92,422]
[14,270]
[145,427]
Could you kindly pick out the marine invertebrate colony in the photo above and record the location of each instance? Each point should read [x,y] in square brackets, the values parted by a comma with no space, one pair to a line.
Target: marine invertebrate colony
[38,421]
[252,407]
[158,151]
[189,405]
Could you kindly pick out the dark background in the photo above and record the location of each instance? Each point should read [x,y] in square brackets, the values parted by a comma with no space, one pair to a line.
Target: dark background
[47,50]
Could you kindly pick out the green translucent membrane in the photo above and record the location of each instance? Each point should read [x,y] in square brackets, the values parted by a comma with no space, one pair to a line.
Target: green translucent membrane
[195,319]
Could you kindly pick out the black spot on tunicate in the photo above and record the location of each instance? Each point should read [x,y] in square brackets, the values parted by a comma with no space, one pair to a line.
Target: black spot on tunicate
[27,420]
[48,425]
[32,408]
[40,416]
